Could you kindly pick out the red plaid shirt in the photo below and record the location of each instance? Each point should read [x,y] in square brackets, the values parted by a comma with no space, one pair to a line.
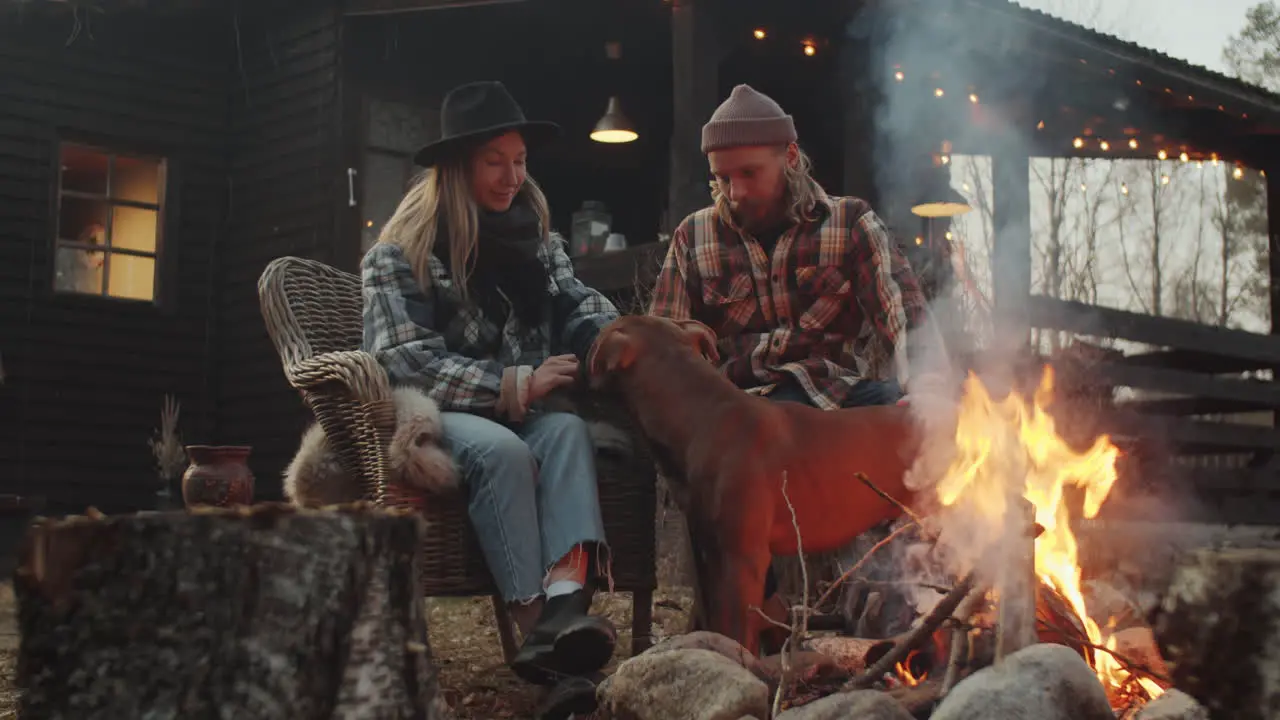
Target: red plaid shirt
[832,306]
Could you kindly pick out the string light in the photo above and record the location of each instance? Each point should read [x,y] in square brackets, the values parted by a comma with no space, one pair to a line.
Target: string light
[809,48]
[1078,142]
[1124,188]
[760,34]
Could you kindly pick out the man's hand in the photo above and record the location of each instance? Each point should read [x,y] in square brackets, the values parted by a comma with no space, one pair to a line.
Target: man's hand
[558,371]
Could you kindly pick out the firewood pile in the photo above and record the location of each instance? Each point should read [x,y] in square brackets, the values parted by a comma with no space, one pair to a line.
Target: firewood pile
[1205,656]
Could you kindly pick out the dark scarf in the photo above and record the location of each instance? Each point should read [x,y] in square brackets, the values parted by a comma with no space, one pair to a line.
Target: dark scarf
[506,259]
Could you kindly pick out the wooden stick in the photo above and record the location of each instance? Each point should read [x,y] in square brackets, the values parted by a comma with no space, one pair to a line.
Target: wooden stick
[1017,581]
[916,637]
[892,501]
[960,639]
[858,565]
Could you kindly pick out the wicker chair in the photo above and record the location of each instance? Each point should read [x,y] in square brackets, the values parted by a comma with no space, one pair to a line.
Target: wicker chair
[313,315]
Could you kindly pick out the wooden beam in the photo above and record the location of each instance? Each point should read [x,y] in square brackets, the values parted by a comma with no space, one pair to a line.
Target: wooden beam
[1083,319]
[387,7]
[1193,437]
[1264,394]
[1011,259]
[1187,406]
[695,62]
[1192,361]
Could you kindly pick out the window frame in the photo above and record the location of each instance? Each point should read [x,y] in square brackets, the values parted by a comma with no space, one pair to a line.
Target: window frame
[164,197]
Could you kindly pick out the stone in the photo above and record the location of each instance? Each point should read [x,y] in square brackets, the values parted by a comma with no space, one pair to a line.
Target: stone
[1173,705]
[715,642]
[1218,628]
[860,704]
[682,684]
[1039,682]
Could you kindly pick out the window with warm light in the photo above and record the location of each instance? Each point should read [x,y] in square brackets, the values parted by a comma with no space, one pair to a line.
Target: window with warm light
[110,207]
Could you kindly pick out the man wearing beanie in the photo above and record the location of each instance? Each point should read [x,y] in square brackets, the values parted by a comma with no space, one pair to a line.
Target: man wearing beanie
[808,293]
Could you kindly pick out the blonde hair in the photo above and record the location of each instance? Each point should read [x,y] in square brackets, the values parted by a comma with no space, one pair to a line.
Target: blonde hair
[802,193]
[445,191]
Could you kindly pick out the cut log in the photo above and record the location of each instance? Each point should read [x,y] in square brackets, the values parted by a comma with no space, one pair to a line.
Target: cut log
[257,612]
[1218,627]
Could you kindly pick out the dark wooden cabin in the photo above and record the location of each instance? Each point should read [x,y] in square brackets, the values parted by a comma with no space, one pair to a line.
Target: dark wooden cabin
[284,128]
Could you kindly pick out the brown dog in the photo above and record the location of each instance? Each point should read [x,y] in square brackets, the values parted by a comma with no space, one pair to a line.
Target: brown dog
[733,449]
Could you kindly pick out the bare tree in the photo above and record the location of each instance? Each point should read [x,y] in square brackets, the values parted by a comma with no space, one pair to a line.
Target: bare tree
[1254,54]
[1160,196]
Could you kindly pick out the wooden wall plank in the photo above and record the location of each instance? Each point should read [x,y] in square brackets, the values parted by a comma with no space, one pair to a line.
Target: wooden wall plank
[85,377]
[285,125]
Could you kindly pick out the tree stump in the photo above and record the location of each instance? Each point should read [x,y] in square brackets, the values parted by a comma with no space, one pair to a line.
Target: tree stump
[255,612]
[1218,628]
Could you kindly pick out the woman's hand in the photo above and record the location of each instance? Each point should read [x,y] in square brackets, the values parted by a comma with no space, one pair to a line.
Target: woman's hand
[557,371]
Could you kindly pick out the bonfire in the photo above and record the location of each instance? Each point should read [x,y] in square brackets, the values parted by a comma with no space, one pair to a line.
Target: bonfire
[1008,455]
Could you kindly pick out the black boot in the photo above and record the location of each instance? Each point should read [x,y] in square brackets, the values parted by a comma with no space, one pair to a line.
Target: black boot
[571,697]
[566,641]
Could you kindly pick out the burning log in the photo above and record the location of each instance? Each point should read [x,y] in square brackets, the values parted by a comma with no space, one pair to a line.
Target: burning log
[262,612]
[1217,628]
[1017,581]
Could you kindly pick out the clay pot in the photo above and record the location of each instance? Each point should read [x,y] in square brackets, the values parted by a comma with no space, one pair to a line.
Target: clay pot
[217,475]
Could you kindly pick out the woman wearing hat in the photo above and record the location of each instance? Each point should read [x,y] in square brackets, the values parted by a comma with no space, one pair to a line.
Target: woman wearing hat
[468,295]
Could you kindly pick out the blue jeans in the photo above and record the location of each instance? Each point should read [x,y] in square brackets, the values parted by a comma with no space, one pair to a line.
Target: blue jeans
[532,493]
[867,392]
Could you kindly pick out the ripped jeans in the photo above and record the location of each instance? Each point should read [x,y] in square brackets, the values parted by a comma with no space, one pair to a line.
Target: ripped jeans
[532,494]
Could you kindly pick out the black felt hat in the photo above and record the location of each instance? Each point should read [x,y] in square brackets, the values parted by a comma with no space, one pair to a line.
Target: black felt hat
[478,110]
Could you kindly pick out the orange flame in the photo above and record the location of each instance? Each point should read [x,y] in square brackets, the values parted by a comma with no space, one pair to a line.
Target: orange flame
[997,443]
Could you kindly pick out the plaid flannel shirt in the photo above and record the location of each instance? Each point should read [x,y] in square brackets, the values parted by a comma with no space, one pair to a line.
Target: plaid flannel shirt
[831,307]
[464,360]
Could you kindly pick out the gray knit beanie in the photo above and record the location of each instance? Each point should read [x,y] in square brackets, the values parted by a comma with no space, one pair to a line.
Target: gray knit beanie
[748,117]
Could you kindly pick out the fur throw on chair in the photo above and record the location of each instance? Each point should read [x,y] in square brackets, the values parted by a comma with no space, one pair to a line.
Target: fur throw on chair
[315,478]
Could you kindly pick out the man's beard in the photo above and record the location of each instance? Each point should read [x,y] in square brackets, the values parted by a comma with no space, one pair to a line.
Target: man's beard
[759,216]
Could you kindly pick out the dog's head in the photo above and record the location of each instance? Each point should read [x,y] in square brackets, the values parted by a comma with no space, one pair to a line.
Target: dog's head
[623,340]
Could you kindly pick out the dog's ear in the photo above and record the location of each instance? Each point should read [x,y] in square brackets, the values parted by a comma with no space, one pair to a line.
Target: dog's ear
[702,338]
[612,351]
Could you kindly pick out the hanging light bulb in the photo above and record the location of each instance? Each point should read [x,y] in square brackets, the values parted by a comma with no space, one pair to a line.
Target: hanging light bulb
[1133,143]
[1164,179]
[973,98]
[1104,145]
[614,126]
[1238,173]
[937,92]
[759,33]
[1077,143]
[1124,189]
[1184,157]
[1162,155]
[809,48]
[899,76]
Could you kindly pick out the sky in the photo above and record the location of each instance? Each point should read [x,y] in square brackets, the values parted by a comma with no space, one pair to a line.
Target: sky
[1186,29]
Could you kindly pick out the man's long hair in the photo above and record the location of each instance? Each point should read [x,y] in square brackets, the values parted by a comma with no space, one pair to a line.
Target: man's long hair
[444,191]
[802,194]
